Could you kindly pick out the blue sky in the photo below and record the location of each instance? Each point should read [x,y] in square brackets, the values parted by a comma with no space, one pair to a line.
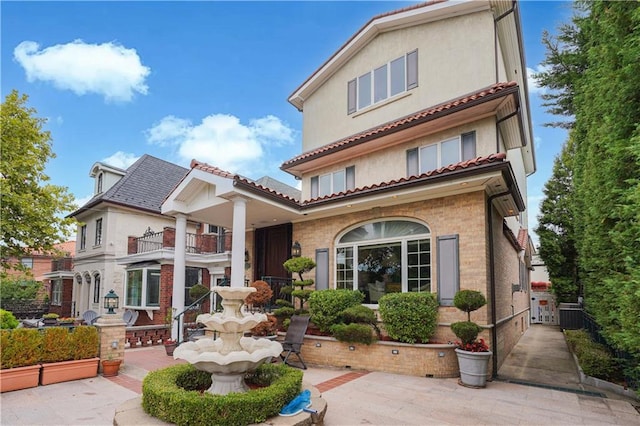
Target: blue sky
[179,80]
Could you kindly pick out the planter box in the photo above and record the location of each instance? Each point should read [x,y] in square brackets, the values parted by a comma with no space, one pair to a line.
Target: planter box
[19,378]
[430,360]
[65,371]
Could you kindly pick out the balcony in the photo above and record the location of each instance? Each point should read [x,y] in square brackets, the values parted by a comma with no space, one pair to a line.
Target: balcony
[64,264]
[165,240]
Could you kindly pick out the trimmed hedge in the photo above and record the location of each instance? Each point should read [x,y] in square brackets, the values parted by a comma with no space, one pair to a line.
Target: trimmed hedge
[20,347]
[326,306]
[353,333]
[164,399]
[409,317]
[594,358]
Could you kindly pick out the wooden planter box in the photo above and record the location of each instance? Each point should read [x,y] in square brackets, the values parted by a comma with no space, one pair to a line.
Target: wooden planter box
[65,371]
[19,378]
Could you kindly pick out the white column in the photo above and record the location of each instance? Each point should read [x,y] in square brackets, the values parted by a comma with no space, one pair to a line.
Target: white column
[237,241]
[179,264]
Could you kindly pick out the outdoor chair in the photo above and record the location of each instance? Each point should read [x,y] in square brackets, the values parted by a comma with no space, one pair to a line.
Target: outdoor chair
[90,317]
[294,339]
[130,317]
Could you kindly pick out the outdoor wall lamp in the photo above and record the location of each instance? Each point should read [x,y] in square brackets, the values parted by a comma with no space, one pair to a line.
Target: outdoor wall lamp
[111,302]
[296,250]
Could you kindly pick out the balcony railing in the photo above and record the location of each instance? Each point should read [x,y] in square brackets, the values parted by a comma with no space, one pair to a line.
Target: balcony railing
[195,243]
[64,264]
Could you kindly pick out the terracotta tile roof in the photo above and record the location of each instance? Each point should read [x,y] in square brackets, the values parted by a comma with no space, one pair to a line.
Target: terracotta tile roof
[523,238]
[211,169]
[476,162]
[399,124]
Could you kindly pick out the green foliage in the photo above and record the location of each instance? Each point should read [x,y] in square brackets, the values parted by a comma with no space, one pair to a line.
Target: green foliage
[326,306]
[51,315]
[56,344]
[359,314]
[594,358]
[353,333]
[20,347]
[84,342]
[469,301]
[194,380]
[299,265]
[197,291]
[19,288]
[467,331]
[7,320]
[31,209]
[284,312]
[164,399]
[409,317]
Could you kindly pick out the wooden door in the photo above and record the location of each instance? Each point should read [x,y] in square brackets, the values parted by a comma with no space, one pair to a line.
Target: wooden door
[272,249]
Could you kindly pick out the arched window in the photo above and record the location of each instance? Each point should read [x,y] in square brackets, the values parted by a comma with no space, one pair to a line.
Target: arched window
[384,257]
[96,288]
[99,186]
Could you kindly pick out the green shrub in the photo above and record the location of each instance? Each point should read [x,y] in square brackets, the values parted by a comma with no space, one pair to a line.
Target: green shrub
[326,306]
[284,312]
[20,347]
[197,291]
[467,331]
[56,344]
[577,339]
[353,333]
[195,380]
[359,314]
[7,320]
[164,399]
[84,342]
[594,358]
[409,317]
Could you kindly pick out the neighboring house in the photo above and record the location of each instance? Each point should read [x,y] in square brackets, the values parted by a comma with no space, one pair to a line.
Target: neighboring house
[125,203]
[416,148]
[544,309]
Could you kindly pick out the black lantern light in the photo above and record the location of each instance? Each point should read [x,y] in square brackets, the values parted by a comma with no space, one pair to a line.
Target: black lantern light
[296,250]
[111,302]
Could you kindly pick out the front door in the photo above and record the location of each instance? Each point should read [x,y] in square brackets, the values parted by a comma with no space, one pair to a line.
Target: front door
[272,249]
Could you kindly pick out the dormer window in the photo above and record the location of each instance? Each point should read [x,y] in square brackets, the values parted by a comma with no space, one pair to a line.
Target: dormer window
[99,185]
[387,81]
[333,183]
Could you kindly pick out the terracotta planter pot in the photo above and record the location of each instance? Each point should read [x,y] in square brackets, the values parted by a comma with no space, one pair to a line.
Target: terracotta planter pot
[473,368]
[19,378]
[110,367]
[170,347]
[64,371]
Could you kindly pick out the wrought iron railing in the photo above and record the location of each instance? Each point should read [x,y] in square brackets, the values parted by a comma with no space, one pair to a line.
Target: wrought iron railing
[150,241]
[276,284]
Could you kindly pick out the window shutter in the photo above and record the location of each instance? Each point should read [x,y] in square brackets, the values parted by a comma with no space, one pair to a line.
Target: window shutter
[314,187]
[351,177]
[468,146]
[412,162]
[448,269]
[351,96]
[412,69]
[322,269]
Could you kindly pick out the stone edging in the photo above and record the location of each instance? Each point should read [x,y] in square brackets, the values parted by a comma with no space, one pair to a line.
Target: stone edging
[603,384]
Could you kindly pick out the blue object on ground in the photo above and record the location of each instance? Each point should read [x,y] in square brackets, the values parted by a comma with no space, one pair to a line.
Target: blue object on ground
[297,404]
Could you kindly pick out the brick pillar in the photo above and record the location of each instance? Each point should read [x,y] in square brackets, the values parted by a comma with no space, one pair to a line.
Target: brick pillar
[111,328]
[132,245]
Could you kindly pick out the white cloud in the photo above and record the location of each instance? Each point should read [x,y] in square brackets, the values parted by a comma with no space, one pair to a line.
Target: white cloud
[121,160]
[106,69]
[532,83]
[222,140]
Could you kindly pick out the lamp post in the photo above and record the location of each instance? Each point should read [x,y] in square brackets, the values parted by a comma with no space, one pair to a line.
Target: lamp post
[111,302]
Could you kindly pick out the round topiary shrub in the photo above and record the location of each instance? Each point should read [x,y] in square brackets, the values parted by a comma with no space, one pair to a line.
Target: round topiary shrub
[468,301]
[409,317]
[326,306]
[467,331]
[163,398]
[353,333]
[7,320]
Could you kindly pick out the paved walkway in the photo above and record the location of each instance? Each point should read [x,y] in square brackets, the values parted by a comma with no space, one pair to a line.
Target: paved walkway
[359,397]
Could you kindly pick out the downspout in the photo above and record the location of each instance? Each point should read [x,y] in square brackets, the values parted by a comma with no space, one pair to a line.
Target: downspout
[492,285]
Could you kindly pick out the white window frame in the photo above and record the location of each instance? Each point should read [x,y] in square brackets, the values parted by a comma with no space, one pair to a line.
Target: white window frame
[83,237]
[404,242]
[56,292]
[319,187]
[355,87]
[143,297]
[98,233]
[96,288]
[421,166]
[27,262]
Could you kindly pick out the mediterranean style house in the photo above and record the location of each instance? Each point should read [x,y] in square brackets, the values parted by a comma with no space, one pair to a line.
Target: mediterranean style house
[416,148]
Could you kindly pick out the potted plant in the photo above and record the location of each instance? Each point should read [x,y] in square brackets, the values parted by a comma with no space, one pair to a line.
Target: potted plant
[267,329]
[169,346]
[20,358]
[473,354]
[50,319]
[110,366]
[197,291]
[69,355]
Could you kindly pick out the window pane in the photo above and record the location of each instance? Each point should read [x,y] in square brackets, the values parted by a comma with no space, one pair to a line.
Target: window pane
[344,268]
[364,90]
[153,288]
[428,158]
[338,182]
[350,177]
[325,185]
[384,229]
[412,69]
[98,239]
[468,146]
[96,289]
[450,152]
[419,266]
[134,288]
[351,96]
[379,270]
[380,84]
[397,76]
[412,162]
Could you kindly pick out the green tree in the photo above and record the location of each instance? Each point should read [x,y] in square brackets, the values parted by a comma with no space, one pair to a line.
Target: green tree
[556,229]
[31,209]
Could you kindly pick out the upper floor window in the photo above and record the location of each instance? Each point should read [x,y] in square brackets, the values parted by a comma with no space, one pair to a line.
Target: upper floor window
[98,239]
[96,288]
[333,183]
[143,287]
[392,78]
[431,157]
[99,185]
[27,262]
[83,237]
[219,232]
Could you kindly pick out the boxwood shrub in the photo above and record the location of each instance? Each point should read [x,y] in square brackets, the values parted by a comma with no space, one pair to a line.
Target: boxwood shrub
[409,317]
[353,333]
[326,306]
[164,399]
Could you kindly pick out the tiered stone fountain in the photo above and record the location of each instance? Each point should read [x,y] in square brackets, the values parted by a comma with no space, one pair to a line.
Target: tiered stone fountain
[231,355]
